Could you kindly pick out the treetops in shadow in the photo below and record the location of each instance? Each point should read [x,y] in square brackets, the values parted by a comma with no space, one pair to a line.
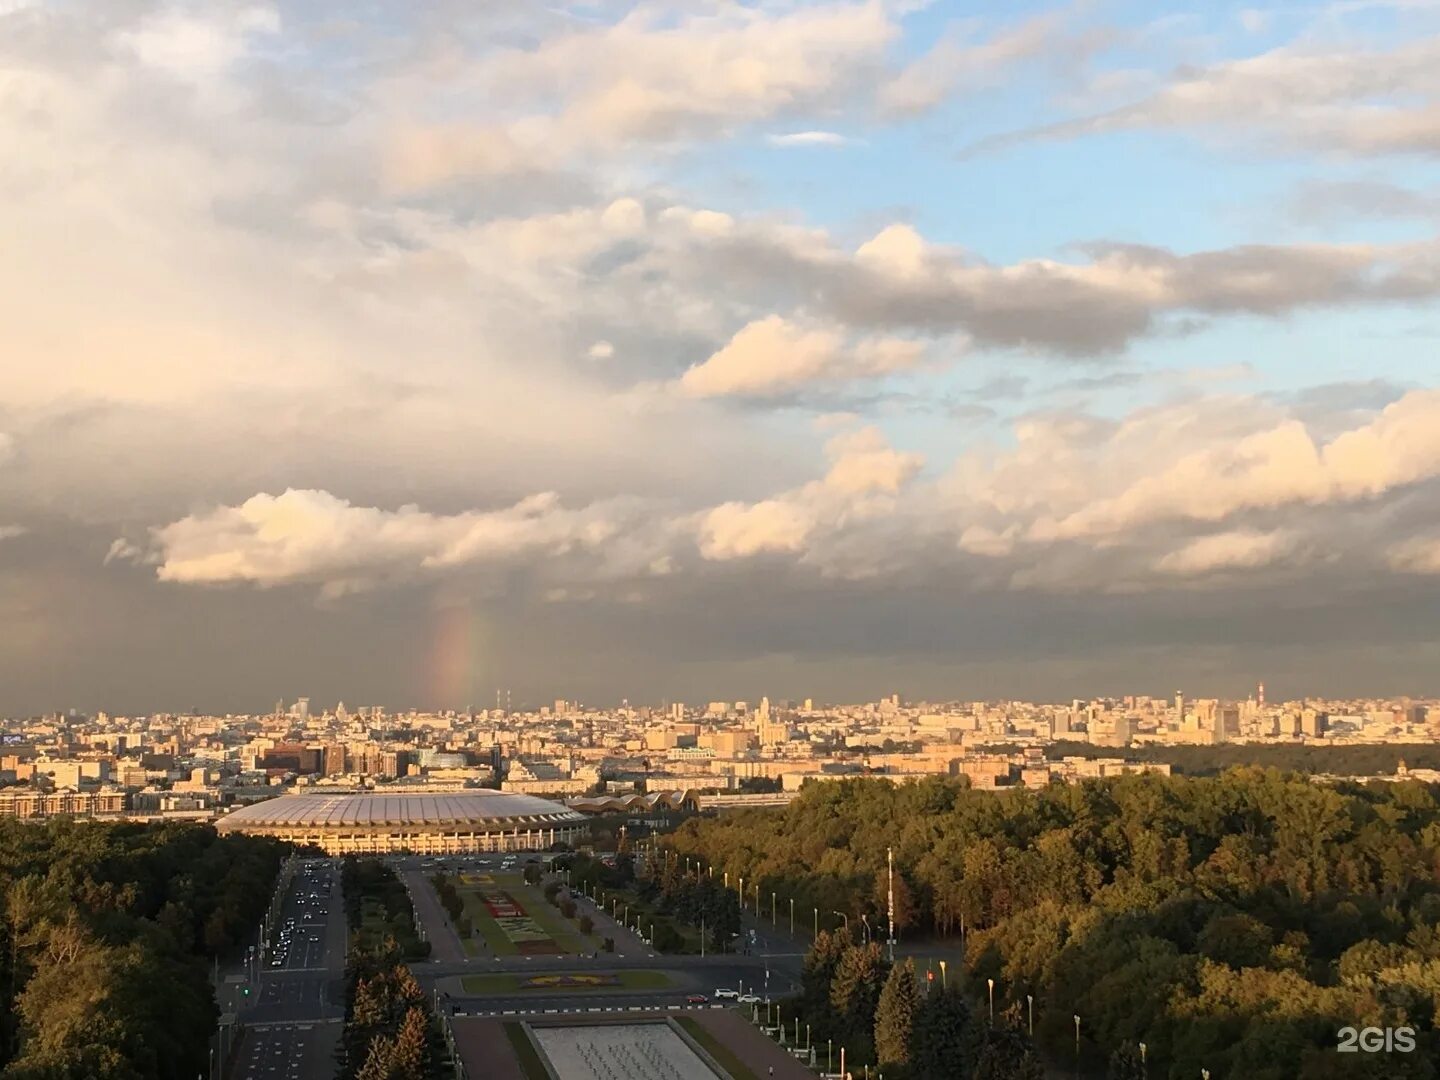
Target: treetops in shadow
[106,939]
[1233,923]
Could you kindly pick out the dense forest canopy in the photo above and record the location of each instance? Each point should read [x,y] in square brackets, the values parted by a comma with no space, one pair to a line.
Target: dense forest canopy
[1360,759]
[106,941]
[1233,923]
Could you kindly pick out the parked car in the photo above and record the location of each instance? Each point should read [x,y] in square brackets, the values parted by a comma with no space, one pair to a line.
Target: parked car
[748,999]
[722,993]
[697,999]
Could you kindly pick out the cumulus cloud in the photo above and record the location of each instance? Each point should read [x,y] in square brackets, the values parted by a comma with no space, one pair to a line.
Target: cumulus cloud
[773,356]
[9,532]
[313,536]
[1276,466]
[654,76]
[1242,549]
[1191,494]
[1099,304]
[856,496]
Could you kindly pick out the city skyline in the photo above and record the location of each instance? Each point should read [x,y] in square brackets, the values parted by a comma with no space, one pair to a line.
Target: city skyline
[649,350]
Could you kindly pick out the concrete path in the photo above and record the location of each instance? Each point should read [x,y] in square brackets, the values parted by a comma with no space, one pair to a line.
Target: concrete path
[445,944]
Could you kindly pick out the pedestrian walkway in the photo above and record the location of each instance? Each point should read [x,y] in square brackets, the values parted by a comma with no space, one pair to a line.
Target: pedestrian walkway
[755,1051]
[445,943]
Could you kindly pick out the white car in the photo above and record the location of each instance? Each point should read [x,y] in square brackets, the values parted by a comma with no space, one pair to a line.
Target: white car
[723,993]
[748,999]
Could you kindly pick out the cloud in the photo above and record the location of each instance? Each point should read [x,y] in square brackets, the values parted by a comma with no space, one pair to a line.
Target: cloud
[956,62]
[9,532]
[1242,549]
[1276,465]
[736,530]
[1418,556]
[774,356]
[1118,293]
[313,536]
[1346,100]
[808,138]
[601,350]
[652,77]
[1325,202]
[822,520]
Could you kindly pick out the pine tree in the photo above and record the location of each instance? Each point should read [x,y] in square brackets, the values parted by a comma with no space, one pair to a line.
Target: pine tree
[855,993]
[819,972]
[937,1040]
[895,1015]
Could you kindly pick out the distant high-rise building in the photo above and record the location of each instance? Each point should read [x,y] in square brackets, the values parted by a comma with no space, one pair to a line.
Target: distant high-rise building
[1180,708]
[301,711]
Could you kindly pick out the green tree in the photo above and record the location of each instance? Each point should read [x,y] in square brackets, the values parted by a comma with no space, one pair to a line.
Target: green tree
[938,1038]
[895,1015]
[1126,1063]
[855,995]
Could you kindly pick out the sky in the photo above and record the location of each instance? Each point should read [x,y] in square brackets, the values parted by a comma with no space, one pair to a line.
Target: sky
[402,353]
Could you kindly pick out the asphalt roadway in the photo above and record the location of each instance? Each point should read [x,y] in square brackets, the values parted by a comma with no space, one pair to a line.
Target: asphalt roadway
[294,1016]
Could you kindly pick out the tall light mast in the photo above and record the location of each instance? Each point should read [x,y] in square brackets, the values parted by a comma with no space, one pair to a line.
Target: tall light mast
[890,896]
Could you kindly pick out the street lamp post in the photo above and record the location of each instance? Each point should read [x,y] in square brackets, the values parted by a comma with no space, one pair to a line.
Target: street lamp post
[991,984]
[792,916]
[817,922]
[1143,1070]
[847,921]
[1030,1008]
[772,908]
[1077,1040]
[943,984]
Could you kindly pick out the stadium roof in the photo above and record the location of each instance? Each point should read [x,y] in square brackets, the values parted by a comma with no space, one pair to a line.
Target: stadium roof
[648,803]
[465,808]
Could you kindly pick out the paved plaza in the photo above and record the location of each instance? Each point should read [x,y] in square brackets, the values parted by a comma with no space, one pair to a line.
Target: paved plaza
[651,1051]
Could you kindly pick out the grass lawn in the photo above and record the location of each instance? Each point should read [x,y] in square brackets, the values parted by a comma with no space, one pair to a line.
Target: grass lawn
[525,1053]
[495,937]
[506,983]
[717,1050]
[565,934]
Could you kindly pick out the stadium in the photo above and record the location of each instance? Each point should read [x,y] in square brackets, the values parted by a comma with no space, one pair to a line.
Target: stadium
[370,823]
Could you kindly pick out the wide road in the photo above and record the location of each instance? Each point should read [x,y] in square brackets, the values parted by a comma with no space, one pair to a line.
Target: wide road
[294,1017]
